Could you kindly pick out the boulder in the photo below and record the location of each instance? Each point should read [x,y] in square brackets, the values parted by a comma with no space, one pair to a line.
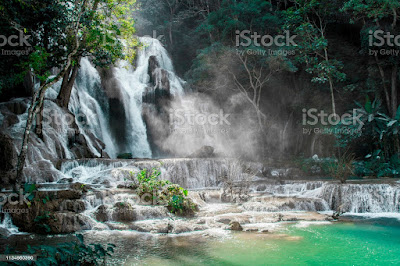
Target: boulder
[235,226]
[67,222]
[17,107]
[123,212]
[101,213]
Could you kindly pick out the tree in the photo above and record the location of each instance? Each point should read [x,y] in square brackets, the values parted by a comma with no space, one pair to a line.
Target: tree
[308,19]
[104,23]
[254,78]
[90,27]
[37,22]
[379,15]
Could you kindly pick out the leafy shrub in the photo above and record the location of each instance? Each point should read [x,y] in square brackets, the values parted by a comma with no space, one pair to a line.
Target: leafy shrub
[342,167]
[42,220]
[163,192]
[149,182]
[177,200]
[70,253]
[377,165]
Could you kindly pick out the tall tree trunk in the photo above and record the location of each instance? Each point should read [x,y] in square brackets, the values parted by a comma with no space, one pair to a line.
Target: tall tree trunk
[385,89]
[394,104]
[394,91]
[37,99]
[28,83]
[66,86]
[39,121]
[332,96]
[330,80]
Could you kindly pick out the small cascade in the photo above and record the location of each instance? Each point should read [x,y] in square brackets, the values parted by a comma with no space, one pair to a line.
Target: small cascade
[190,173]
[350,197]
[362,198]
[7,227]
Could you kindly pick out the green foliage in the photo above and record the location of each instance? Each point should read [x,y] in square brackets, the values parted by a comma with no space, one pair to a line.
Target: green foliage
[256,15]
[163,192]
[376,165]
[30,189]
[315,165]
[69,253]
[149,183]
[42,221]
[308,21]
[379,131]
[371,9]
[177,200]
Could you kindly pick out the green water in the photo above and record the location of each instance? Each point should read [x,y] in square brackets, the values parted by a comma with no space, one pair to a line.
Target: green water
[335,244]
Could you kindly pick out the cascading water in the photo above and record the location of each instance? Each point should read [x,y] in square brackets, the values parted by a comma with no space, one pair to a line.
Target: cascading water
[91,119]
[352,197]
[88,101]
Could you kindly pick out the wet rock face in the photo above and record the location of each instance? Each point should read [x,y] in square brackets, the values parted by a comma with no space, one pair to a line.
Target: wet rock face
[50,212]
[16,106]
[61,139]
[4,233]
[158,76]
[9,112]
[7,153]
[123,212]
[156,99]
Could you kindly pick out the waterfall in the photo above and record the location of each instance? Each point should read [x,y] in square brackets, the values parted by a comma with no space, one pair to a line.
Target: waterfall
[90,100]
